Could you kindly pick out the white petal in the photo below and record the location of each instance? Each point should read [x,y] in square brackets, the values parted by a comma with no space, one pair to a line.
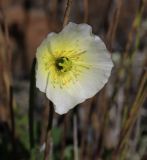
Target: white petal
[94,81]
[101,65]
[41,78]
[62,99]
[71,37]
[43,52]
[71,30]
[96,52]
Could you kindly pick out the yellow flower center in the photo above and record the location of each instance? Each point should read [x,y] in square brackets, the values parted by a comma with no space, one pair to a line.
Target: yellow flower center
[66,67]
[63,64]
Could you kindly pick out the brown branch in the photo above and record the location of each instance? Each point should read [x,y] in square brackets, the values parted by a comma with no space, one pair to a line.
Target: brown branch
[86,10]
[67,12]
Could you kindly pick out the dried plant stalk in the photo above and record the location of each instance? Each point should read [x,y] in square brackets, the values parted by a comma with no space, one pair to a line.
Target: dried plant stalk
[86,10]
[67,12]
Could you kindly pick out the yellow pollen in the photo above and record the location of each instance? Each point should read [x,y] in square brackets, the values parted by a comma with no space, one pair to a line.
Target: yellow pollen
[66,67]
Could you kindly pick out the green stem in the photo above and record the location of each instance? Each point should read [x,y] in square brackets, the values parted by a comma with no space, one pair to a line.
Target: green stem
[31,104]
[48,145]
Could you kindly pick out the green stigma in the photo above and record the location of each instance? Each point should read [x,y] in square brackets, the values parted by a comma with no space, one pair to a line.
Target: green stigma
[63,64]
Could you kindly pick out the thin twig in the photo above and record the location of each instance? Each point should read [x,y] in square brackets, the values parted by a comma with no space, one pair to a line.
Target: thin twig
[67,12]
[86,10]
[48,143]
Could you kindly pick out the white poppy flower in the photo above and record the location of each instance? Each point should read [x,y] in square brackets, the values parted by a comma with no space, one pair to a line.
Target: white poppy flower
[72,66]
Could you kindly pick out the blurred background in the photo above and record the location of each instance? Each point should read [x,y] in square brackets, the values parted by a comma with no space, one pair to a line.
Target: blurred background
[110,126]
